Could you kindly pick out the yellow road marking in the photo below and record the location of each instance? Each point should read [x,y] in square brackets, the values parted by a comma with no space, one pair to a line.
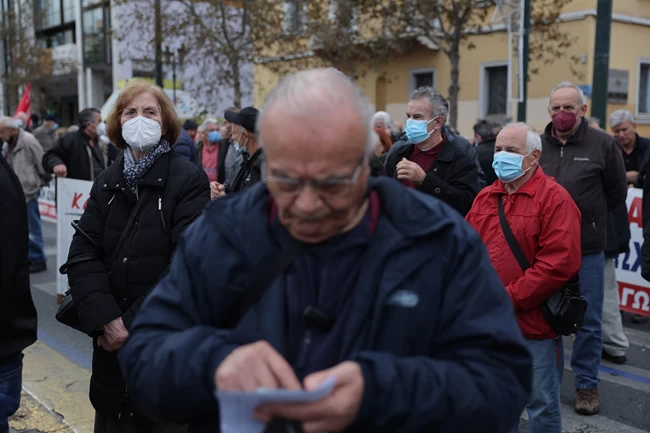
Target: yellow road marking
[60,385]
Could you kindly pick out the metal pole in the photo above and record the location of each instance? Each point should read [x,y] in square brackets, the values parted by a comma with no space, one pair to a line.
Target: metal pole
[525,29]
[174,76]
[158,43]
[601,61]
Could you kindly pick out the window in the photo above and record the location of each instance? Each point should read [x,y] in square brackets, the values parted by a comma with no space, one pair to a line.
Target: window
[344,13]
[93,35]
[643,104]
[51,13]
[68,11]
[617,84]
[493,99]
[421,78]
[295,13]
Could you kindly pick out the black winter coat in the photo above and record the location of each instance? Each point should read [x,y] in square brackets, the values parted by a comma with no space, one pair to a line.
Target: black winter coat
[175,192]
[590,167]
[72,150]
[485,152]
[17,312]
[453,178]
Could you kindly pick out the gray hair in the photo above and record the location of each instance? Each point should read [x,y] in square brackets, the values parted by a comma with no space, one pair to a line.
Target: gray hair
[8,122]
[291,90]
[570,85]
[87,116]
[620,116]
[208,121]
[439,105]
[384,117]
[533,140]
[485,130]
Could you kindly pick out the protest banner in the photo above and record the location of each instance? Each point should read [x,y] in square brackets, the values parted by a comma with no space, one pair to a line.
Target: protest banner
[634,291]
[47,202]
[72,195]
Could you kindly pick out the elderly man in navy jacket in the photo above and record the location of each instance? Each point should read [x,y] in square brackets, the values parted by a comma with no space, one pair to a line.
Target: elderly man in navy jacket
[390,292]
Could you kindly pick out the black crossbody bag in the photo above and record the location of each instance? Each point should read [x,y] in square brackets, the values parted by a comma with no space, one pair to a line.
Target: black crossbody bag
[68,312]
[565,310]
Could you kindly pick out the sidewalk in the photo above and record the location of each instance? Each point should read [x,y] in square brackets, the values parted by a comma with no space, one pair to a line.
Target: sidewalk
[55,394]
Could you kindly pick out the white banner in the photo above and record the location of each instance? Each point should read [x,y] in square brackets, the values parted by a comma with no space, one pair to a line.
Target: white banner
[72,195]
[634,291]
[47,202]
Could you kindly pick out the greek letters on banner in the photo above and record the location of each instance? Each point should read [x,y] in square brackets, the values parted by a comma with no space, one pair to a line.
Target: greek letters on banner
[634,291]
[72,195]
[47,203]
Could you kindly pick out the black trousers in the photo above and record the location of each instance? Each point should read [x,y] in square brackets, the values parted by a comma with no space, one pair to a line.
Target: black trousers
[134,425]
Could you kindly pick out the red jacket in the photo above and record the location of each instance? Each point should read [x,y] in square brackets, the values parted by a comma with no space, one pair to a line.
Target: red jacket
[546,223]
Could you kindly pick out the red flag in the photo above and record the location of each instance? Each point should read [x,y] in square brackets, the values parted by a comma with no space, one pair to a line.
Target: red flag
[25,104]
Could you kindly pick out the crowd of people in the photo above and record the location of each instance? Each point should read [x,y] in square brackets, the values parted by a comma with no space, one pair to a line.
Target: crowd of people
[424,296]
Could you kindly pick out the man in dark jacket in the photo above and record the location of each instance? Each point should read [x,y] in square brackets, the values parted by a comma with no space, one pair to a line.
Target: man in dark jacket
[588,163]
[185,147]
[78,155]
[428,161]
[393,296]
[485,138]
[249,170]
[636,149]
[17,312]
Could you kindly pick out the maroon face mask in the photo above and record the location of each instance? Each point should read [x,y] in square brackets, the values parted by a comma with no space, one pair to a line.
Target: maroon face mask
[564,121]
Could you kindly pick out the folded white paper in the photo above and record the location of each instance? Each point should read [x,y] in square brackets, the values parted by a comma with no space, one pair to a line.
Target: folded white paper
[236,408]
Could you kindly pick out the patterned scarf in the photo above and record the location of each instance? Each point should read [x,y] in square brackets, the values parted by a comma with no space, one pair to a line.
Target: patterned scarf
[134,170]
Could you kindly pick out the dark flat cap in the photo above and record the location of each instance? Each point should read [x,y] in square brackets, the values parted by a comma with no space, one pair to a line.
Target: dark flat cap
[247,118]
[190,124]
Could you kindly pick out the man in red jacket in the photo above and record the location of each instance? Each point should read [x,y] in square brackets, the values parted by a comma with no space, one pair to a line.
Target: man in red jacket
[546,224]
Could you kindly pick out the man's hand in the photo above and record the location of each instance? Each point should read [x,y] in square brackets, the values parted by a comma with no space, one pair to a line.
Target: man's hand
[253,366]
[115,334]
[333,413]
[60,170]
[632,176]
[217,190]
[408,170]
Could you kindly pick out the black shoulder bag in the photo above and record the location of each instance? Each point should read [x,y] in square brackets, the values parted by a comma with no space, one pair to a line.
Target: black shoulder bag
[565,310]
[68,312]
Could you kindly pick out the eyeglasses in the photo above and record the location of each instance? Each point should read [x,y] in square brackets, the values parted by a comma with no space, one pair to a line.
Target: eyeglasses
[331,187]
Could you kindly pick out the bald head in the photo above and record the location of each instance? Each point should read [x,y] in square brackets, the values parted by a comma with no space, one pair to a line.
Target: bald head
[325,100]
[521,136]
[8,128]
[22,116]
[317,133]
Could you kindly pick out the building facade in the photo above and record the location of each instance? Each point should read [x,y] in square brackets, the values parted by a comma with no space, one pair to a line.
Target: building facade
[91,64]
[489,71]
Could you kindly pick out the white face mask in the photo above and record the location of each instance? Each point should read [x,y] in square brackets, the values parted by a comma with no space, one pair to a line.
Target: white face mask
[141,134]
[101,129]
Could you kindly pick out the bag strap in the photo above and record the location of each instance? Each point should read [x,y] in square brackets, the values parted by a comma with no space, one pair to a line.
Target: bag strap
[127,227]
[510,238]
[262,281]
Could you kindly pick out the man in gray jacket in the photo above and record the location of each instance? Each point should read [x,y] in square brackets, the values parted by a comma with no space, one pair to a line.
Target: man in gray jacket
[45,134]
[588,163]
[24,154]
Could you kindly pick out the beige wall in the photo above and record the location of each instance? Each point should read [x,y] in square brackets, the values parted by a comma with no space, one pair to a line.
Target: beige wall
[628,44]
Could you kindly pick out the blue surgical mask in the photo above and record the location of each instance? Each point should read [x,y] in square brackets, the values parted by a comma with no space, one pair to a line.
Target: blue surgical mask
[214,136]
[508,166]
[240,149]
[416,130]
[20,123]
[55,126]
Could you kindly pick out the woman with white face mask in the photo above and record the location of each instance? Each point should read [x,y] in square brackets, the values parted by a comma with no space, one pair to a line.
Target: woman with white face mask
[138,208]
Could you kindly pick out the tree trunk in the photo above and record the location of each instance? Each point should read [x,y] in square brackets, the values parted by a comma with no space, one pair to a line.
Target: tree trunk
[236,82]
[454,86]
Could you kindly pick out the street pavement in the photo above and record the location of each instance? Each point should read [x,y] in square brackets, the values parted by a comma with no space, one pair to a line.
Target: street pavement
[57,373]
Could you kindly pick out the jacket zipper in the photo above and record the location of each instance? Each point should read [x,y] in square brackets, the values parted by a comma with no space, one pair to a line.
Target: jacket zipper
[162,217]
[305,348]
[561,151]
